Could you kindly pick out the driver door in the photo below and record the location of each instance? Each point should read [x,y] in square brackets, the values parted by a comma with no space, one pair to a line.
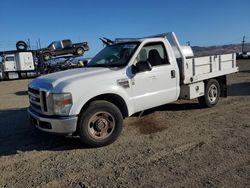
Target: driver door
[158,86]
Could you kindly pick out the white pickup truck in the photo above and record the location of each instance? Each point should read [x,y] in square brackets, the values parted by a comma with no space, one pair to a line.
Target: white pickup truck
[129,76]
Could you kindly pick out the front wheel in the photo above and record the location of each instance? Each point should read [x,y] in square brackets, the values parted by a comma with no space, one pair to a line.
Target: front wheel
[79,51]
[212,94]
[46,56]
[100,124]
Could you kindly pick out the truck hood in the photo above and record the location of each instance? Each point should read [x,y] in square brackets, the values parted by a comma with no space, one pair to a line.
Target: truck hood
[62,79]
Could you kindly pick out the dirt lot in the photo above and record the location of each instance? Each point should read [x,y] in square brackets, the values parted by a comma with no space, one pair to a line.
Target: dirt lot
[180,145]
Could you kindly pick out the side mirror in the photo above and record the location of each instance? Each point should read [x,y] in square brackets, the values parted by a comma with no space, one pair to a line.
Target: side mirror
[141,66]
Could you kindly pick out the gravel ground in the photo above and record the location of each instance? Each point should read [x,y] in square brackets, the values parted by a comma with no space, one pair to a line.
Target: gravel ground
[177,145]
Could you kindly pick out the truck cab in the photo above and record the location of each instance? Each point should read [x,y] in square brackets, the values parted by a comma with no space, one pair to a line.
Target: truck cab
[60,44]
[9,63]
[129,76]
[17,65]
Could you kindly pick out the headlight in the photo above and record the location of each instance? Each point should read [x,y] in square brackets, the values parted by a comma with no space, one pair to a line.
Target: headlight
[61,103]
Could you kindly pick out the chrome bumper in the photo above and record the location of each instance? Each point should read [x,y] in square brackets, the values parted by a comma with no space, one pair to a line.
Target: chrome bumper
[61,125]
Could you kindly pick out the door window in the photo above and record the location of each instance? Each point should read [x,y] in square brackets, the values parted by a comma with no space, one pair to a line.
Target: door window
[155,53]
[58,45]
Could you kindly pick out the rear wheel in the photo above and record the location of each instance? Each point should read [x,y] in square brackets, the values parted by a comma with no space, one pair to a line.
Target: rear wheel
[212,94]
[100,124]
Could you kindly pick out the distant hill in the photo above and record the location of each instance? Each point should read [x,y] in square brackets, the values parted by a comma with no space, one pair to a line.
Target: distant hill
[212,50]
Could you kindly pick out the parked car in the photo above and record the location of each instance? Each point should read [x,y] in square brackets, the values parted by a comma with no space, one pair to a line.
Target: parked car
[126,77]
[63,47]
[244,55]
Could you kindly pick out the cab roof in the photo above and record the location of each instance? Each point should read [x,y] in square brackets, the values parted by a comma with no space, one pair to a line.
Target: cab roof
[141,39]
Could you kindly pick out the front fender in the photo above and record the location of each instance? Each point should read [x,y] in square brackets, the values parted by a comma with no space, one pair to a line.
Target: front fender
[83,98]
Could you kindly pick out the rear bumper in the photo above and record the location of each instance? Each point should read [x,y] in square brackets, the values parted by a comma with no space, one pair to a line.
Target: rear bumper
[60,125]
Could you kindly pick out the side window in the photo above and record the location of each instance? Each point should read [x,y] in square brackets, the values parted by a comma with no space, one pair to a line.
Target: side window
[155,53]
[10,58]
[58,45]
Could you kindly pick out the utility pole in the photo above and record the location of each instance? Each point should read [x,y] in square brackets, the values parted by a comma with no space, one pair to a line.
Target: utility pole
[243,43]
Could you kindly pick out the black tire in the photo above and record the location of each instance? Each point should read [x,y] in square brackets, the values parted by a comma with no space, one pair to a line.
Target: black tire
[100,124]
[212,94]
[79,51]
[21,46]
[47,56]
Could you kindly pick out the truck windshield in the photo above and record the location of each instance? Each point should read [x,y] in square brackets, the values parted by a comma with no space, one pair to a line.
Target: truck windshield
[116,55]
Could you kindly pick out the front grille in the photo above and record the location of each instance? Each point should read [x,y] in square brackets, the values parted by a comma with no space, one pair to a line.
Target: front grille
[37,100]
[35,91]
[36,106]
[44,101]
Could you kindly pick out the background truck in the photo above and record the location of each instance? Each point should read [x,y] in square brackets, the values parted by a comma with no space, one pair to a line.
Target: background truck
[127,77]
[63,47]
[17,65]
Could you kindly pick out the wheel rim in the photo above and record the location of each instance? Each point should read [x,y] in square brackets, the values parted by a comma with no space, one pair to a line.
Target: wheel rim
[212,93]
[79,51]
[46,56]
[21,47]
[101,125]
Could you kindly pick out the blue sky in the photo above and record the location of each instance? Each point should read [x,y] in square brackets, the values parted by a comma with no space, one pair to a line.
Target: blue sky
[203,22]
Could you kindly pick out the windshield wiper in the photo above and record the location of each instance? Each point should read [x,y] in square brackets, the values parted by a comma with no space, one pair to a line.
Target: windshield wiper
[115,64]
[120,63]
[98,65]
[108,65]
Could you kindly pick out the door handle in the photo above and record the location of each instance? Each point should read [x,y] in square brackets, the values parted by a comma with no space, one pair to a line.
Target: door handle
[152,77]
[172,73]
